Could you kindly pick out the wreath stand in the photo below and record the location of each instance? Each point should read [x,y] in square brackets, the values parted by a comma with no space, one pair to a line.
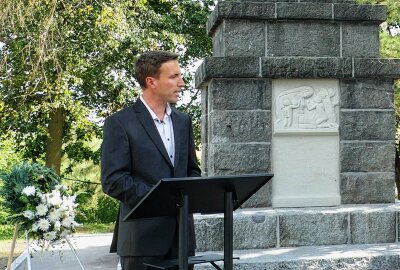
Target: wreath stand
[28,257]
[14,240]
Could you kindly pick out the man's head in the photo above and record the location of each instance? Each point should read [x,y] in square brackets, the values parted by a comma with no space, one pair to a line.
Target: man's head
[159,75]
[149,63]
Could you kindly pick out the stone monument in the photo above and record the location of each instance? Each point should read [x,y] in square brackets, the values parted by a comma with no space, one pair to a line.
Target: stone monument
[297,88]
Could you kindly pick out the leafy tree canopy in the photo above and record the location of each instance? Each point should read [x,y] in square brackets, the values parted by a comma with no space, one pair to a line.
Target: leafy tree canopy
[67,64]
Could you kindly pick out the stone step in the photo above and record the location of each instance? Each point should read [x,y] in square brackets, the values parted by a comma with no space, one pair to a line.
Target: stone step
[293,227]
[349,257]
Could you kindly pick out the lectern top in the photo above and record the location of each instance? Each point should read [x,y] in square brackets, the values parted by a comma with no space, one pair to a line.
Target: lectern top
[206,194]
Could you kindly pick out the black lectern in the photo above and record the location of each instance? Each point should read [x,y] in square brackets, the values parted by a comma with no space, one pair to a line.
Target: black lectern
[205,195]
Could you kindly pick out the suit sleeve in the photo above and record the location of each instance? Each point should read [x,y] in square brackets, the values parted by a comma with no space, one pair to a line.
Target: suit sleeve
[116,176]
[193,166]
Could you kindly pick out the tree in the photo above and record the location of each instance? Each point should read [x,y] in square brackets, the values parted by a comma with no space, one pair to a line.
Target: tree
[67,64]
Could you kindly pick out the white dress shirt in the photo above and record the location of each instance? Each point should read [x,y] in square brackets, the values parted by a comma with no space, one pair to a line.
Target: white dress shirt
[165,129]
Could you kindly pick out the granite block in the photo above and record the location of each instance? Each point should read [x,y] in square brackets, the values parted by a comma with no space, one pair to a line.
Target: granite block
[304,67]
[364,188]
[254,232]
[204,128]
[367,156]
[239,158]
[204,159]
[262,198]
[238,10]
[349,12]
[313,229]
[303,38]
[227,67]
[243,38]
[375,227]
[367,125]
[240,94]
[318,11]
[376,68]
[360,40]
[240,126]
[366,93]
[209,233]
[218,41]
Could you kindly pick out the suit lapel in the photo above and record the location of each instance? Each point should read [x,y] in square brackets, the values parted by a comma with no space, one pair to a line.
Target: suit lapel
[148,124]
[177,125]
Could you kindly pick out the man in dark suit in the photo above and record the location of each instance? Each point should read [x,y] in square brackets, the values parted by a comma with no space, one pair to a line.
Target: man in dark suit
[141,145]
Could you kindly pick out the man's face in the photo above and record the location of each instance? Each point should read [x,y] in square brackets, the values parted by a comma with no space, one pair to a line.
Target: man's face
[169,83]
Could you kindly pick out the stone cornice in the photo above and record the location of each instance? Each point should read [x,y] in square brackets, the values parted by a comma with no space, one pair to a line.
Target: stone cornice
[296,67]
[294,11]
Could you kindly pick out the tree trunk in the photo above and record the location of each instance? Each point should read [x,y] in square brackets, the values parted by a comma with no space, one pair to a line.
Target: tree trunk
[54,141]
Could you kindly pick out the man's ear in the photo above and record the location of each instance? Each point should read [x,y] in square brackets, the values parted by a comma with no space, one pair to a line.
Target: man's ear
[150,82]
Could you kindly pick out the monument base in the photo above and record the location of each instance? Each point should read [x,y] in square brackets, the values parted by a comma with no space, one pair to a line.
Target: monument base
[311,201]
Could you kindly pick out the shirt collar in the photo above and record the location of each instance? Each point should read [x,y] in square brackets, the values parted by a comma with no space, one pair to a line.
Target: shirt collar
[168,109]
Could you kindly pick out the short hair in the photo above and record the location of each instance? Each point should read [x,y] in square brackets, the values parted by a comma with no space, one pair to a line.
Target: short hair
[148,64]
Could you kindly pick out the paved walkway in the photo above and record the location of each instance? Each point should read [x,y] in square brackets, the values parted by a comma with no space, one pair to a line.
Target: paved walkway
[92,251]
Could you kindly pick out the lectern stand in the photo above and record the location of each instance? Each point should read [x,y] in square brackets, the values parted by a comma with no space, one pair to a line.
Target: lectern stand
[205,195]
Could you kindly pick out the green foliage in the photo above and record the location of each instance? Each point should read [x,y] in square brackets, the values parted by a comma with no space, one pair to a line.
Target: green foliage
[4,213]
[7,231]
[96,228]
[94,205]
[21,176]
[78,55]
[390,45]
[8,156]
[106,210]
[97,208]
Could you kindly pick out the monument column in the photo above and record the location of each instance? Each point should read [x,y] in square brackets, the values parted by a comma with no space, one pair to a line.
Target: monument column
[298,89]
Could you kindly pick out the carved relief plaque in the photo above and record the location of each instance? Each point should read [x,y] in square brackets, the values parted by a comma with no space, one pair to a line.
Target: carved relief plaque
[306,105]
[305,142]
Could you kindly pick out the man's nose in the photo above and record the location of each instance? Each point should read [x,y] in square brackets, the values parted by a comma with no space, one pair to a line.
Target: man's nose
[181,83]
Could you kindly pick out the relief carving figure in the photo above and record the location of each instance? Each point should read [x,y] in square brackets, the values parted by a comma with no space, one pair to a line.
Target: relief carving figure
[287,111]
[330,102]
[306,108]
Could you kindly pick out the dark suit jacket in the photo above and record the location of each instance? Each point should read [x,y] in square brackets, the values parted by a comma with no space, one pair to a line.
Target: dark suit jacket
[133,159]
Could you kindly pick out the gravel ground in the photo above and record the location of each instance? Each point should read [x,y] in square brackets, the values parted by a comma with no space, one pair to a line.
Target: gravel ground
[5,248]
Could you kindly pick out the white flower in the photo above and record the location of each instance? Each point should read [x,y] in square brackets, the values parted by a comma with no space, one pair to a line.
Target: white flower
[41,210]
[67,222]
[29,191]
[75,224]
[57,225]
[65,213]
[54,215]
[35,227]
[70,202]
[50,236]
[29,214]
[65,233]
[42,197]
[54,198]
[61,187]
[43,224]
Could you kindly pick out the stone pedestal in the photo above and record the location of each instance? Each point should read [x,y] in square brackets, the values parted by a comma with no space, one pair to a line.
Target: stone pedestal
[297,88]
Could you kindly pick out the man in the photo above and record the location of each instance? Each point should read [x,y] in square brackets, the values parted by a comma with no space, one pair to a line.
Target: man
[141,145]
